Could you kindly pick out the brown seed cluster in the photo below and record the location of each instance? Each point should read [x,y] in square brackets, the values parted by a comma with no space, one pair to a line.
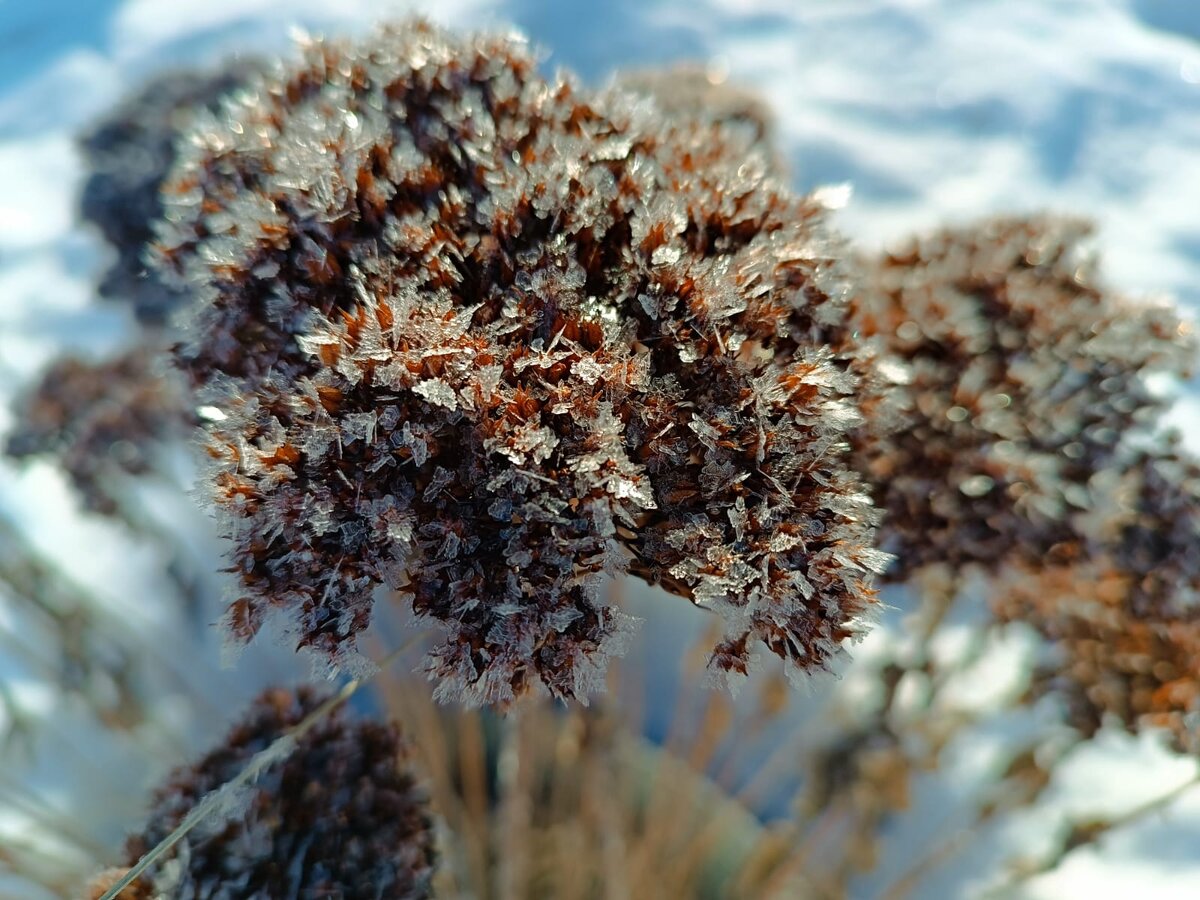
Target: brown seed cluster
[338,817]
[483,337]
[101,419]
[1123,608]
[127,154]
[1025,377]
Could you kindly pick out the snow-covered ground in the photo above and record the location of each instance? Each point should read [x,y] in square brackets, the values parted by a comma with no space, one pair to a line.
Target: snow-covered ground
[933,109]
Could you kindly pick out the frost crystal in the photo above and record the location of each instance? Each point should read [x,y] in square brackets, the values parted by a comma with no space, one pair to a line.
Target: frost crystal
[483,338]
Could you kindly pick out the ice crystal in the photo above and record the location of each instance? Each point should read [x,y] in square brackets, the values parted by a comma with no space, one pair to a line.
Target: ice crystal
[1025,376]
[483,338]
[340,816]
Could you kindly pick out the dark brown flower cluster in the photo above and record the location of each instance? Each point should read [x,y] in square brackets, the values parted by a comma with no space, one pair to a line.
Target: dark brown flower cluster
[483,338]
[339,817]
[102,419]
[1123,608]
[128,154]
[1021,449]
[1026,377]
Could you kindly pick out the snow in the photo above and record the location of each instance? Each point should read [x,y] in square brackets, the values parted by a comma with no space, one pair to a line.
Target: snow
[932,110]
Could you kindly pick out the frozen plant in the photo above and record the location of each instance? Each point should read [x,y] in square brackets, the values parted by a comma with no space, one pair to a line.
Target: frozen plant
[102,419]
[469,340]
[1026,378]
[483,338]
[1122,606]
[1028,449]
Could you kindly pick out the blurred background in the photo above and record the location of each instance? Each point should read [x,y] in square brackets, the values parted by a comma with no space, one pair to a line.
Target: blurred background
[932,111]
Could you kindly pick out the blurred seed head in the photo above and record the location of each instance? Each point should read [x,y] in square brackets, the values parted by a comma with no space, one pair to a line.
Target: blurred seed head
[98,419]
[339,817]
[127,155]
[1123,607]
[1026,376]
[704,93]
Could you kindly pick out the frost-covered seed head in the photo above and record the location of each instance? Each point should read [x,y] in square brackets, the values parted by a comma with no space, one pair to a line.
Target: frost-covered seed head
[484,338]
[100,418]
[338,817]
[1025,376]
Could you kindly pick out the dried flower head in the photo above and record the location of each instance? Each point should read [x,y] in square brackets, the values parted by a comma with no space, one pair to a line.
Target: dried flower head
[483,337]
[100,419]
[1158,544]
[127,154]
[1025,376]
[338,817]
[1123,609]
